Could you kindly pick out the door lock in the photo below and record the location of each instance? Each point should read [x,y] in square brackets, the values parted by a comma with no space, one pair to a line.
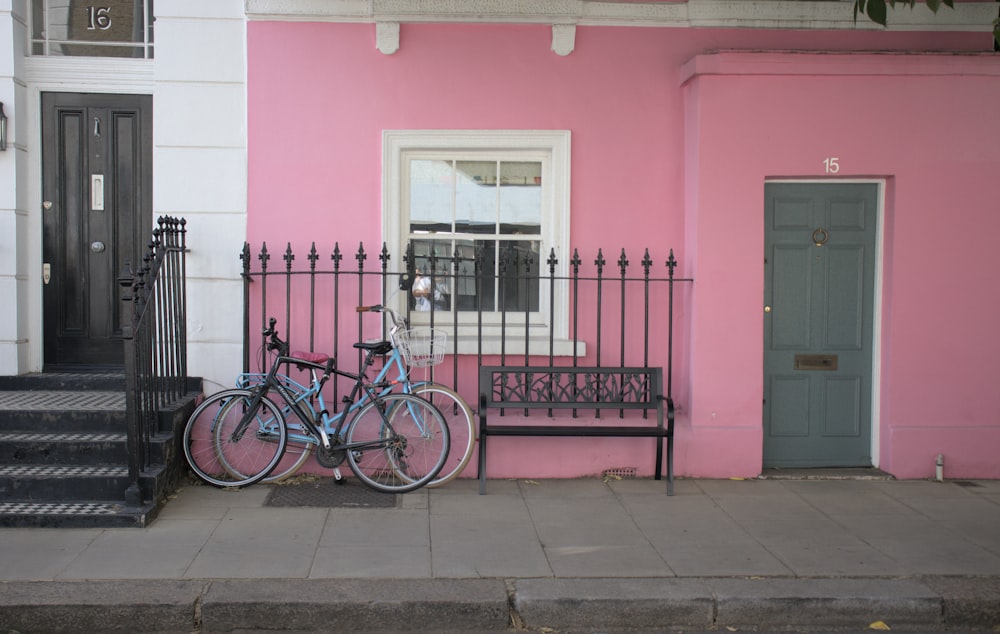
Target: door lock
[97,247]
[767,309]
[46,273]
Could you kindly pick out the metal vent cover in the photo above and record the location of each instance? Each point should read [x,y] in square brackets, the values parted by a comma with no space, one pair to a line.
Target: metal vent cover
[619,472]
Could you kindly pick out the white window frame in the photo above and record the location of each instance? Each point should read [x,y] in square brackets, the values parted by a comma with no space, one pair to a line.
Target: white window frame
[145,46]
[552,149]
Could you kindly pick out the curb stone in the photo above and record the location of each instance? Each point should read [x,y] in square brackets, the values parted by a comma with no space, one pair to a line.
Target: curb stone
[613,603]
[798,602]
[969,601]
[485,604]
[355,605]
[99,606]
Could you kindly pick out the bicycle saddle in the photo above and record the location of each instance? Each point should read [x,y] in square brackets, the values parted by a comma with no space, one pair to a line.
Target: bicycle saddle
[375,347]
[312,357]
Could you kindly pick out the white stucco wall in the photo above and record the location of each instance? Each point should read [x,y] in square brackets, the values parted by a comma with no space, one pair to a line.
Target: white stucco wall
[199,158]
[14,260]
[198,82]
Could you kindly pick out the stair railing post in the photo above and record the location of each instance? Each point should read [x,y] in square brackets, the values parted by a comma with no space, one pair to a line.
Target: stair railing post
[133,494]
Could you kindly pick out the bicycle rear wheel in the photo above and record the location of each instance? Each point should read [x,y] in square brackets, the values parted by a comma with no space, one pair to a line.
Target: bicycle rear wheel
[297,451]
[249,440]
[461,428]
[403,440]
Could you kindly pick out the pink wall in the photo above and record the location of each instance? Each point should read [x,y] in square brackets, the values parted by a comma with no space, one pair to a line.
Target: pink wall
[661,163]
[939,294]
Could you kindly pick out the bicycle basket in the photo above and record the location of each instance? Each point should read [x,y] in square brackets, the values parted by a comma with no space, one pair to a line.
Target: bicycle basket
[422,347]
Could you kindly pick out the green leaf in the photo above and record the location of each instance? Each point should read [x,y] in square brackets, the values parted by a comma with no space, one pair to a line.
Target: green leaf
[934,5]
[859,7]
[877,11]
[950,3]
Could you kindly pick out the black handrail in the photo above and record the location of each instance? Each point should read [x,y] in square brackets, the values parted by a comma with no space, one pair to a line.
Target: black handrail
[154,333]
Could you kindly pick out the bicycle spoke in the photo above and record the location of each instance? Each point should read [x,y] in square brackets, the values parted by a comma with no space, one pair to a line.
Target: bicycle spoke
[461,428]
[249,443]
[410,443]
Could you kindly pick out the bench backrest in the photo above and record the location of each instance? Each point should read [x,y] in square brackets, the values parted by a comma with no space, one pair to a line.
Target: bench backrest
[528,387]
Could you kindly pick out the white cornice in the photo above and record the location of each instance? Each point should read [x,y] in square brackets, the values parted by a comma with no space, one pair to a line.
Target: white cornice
[822,14]
[565,15]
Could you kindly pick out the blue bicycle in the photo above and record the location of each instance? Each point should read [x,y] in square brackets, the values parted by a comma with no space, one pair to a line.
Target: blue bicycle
[392,441]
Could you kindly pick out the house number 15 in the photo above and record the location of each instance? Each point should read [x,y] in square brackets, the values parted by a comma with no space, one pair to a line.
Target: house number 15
[98,18]
[832,165]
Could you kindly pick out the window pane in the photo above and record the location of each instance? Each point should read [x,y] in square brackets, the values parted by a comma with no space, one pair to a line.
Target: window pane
[476,196]
[94,50]
[430,196]
[465,286]
[517,275]
[37,21]
[432,259]
[521,198]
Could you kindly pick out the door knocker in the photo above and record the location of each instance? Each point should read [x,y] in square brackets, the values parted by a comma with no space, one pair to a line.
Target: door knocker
[820,236]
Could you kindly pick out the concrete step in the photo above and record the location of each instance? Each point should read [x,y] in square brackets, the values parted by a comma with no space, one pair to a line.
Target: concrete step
[66,410]
[64,452]
[23,513]
[68,448]
[106,380]
[63,482]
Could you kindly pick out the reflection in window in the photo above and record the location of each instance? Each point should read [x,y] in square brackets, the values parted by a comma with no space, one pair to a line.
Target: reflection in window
[110,28]
[461,211]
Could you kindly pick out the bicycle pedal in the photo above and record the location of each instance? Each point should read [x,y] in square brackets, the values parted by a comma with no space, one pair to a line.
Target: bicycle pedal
[337,476]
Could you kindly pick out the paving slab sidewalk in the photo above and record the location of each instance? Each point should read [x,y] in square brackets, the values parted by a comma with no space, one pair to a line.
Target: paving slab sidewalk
[569,555]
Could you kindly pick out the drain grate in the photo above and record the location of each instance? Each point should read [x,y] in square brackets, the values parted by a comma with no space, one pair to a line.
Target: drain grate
[619,472]
[326,493]
[967,484]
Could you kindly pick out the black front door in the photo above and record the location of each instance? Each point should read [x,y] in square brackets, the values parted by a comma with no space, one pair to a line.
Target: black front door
[97,216]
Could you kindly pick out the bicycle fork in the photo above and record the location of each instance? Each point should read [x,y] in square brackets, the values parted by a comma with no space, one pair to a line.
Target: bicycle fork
[305,416]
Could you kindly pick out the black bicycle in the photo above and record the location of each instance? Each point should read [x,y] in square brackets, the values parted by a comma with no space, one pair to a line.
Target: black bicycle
[392,441]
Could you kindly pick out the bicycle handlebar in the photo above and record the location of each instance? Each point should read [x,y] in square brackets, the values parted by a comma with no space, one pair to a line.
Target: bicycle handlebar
[275,342]
[397,319]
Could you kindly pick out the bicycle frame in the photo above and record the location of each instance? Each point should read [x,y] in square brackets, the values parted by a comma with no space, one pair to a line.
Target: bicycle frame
[296,394]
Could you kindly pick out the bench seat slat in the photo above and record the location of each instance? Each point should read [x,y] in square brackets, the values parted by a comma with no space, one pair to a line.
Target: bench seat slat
[581,405]
[536,387]
[571,430]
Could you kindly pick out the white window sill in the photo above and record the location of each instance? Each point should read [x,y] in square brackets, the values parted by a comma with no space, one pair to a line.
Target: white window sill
[514,345]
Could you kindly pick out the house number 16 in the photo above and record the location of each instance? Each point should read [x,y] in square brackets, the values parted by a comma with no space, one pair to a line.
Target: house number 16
[98,18]
[832,165]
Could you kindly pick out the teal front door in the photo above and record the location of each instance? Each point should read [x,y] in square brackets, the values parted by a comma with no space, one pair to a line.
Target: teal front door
[820,252]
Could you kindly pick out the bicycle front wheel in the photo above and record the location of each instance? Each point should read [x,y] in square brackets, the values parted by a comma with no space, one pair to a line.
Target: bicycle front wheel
[461,428]
[397,443]
[199,437]
[249,440]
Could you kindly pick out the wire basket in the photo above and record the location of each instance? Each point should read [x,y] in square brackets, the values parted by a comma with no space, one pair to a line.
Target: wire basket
[422,347]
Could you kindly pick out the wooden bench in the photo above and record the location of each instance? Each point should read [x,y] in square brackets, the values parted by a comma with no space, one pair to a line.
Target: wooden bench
[590,389]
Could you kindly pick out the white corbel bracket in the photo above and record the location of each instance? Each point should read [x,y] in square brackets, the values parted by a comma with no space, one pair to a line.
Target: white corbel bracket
[563,39]
[387,37]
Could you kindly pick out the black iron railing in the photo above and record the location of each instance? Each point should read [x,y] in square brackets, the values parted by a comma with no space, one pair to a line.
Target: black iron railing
[615,314]
[155,338]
